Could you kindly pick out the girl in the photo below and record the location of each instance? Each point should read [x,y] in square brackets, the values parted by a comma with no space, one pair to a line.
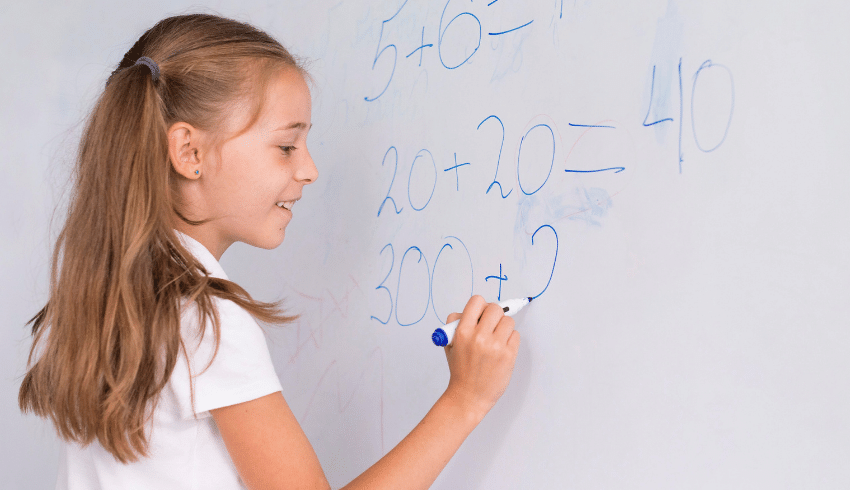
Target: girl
[153,367]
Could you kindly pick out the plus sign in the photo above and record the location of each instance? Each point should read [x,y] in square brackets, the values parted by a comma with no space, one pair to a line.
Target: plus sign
[421,48]
[457,178]
[501,278]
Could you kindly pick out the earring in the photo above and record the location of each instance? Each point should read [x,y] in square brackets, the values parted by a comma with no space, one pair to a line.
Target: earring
[197,172]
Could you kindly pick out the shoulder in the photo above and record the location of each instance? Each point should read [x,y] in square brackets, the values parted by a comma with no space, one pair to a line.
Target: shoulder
[236,369]
[239,331]
[229,313]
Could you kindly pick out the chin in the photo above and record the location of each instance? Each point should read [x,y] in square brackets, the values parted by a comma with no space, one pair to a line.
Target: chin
[277,240]
[270,241]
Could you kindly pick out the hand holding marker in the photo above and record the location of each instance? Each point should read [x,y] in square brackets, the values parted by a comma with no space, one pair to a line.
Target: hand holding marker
[444,335]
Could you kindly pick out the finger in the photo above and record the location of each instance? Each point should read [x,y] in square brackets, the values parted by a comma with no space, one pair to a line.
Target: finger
[490,318]
[452,317]
[471,313]
[504,329]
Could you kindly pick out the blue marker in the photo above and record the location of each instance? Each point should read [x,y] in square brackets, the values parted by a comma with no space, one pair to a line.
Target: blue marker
[444,335]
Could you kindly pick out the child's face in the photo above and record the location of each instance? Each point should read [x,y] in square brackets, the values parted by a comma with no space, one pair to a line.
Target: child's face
[255,173]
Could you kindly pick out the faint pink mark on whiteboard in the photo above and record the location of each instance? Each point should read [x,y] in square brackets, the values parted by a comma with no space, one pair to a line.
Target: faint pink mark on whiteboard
[343,406]
[334,304]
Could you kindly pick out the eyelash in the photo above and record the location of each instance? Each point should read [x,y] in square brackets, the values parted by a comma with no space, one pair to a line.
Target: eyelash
[287,149]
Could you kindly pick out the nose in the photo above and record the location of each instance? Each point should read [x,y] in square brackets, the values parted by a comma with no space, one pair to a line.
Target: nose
[307,171]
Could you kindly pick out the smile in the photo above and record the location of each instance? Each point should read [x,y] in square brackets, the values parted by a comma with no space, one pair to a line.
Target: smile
[287,205]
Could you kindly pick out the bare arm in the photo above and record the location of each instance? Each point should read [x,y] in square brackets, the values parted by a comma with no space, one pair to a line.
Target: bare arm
[271,452]
[268,446]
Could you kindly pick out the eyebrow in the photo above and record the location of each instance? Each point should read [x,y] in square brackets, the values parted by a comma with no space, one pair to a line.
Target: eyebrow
[295,125]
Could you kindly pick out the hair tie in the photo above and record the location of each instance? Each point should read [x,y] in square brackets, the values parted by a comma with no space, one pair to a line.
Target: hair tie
[144,60]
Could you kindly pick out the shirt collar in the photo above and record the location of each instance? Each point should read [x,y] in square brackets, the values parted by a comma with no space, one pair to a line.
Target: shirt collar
[202,254]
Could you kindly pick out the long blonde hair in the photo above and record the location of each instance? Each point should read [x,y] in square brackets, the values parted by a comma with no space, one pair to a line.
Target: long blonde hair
[118,270]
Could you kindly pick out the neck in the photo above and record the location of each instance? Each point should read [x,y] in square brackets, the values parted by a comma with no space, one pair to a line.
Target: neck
[206,236]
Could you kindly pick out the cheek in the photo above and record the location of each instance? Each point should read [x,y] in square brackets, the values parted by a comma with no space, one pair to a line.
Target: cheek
[256,180]
[262,198]
[257,188]
[265,193]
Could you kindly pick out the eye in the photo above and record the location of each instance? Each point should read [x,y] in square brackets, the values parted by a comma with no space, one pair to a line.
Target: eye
[287,149]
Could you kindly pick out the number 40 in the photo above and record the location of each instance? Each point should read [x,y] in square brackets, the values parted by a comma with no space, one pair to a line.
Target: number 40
[707,65]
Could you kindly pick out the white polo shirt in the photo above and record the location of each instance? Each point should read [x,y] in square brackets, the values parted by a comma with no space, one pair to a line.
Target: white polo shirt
[187,453]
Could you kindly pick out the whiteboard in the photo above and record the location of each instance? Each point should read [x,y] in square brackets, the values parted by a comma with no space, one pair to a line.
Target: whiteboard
[668,180]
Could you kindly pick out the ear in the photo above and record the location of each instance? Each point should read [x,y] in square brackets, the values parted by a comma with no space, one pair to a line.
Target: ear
[183,150]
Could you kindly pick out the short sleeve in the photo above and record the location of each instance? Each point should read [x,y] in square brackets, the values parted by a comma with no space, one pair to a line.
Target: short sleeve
[241,371]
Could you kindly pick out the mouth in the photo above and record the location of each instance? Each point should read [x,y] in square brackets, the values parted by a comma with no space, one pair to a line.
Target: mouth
[287,205]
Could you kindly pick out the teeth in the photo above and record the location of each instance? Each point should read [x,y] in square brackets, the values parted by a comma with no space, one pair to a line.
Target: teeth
[286,205]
